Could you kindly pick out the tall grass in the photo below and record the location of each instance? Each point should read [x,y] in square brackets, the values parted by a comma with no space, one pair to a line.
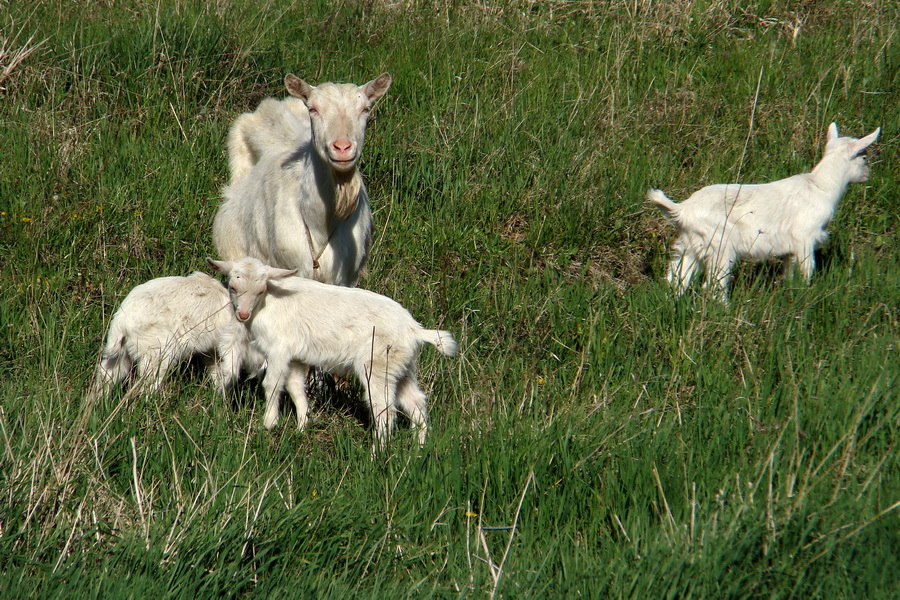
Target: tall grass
[595,437]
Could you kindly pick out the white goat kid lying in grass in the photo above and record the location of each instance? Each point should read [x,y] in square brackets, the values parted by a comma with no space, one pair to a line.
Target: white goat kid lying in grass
[297,323]
[721,223]
[296,198]
[167,320]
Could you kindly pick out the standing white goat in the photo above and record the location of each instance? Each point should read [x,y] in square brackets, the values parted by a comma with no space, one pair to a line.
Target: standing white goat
[298,323]
[167,320]
[296,198]
[787,218]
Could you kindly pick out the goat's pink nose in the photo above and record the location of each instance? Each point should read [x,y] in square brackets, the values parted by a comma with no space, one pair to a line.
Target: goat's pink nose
[342,147]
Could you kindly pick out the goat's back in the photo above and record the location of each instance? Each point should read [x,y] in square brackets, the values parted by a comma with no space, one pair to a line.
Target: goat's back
[332,326]
[275,127]
[169,310]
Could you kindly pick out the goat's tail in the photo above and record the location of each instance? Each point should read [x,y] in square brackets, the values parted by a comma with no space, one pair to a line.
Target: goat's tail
[670,209]
[440,339]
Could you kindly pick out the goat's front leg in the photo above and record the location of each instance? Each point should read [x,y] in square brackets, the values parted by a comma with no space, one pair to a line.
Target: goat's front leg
[273,383]
[296,387]
[152,370]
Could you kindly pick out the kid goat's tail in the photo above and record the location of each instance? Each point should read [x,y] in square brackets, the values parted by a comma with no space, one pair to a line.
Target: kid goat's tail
[670,209]
[442,340]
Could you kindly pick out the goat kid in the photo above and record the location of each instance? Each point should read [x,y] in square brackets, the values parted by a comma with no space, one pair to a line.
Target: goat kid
[167,320]
[297,323]
[787,218]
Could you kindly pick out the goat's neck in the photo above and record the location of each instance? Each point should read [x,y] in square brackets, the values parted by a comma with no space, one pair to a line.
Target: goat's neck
[830,177]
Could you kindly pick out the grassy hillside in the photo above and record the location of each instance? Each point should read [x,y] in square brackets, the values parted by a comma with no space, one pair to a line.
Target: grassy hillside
[595,437]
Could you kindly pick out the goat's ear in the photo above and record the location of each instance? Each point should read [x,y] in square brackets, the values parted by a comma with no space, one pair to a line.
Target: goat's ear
[273,274]
[832,133]
[860,145]
[378,87]
[296,87]
[222,266]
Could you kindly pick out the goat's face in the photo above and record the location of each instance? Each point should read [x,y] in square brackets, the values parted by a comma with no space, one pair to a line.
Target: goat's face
[338,113]
[852,153]
[248,280]
[245,292]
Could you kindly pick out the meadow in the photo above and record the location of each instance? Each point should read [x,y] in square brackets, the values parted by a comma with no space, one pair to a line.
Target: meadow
[596,437]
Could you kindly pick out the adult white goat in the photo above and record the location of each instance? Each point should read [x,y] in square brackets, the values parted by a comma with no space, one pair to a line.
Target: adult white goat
[297,323]
[296,198]
[787,218]
[168,320]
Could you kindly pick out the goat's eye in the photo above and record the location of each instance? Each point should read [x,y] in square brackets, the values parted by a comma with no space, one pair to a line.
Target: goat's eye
[313,110]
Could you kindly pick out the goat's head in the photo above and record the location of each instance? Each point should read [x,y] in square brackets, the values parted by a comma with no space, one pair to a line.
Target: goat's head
[338,113]
[247,282]
[851,152]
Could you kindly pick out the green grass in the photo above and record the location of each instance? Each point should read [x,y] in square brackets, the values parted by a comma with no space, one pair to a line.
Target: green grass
[594,438]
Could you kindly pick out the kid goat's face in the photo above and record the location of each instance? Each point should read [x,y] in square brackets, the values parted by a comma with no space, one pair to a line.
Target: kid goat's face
[853,150]
[246,284]
[248,280]
[244,296]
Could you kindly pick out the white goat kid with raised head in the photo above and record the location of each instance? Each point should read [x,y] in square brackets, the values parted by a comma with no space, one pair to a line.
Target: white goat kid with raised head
[167,320]
[296,199]
[297,323]
[787,218]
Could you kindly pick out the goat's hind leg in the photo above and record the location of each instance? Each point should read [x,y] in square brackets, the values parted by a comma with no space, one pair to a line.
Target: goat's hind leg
[806,263]
[225,369]
[381,399]
[112,369]
[412,401]
[682,269]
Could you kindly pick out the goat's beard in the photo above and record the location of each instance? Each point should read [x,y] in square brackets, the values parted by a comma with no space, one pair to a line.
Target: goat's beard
[347,188]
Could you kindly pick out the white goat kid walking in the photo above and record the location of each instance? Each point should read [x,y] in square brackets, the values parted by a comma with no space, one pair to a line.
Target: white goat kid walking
[167,320]
[298,323]
[296,198]
[787,218]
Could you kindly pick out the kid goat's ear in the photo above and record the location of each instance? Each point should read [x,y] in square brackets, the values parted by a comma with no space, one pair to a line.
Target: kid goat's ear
[274,274]
[862,144]
[222,266]
[832,133]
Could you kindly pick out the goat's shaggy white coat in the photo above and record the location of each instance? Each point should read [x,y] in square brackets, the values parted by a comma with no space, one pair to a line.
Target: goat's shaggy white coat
[167,320]
[296,198]
[297,323]
[787,218]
